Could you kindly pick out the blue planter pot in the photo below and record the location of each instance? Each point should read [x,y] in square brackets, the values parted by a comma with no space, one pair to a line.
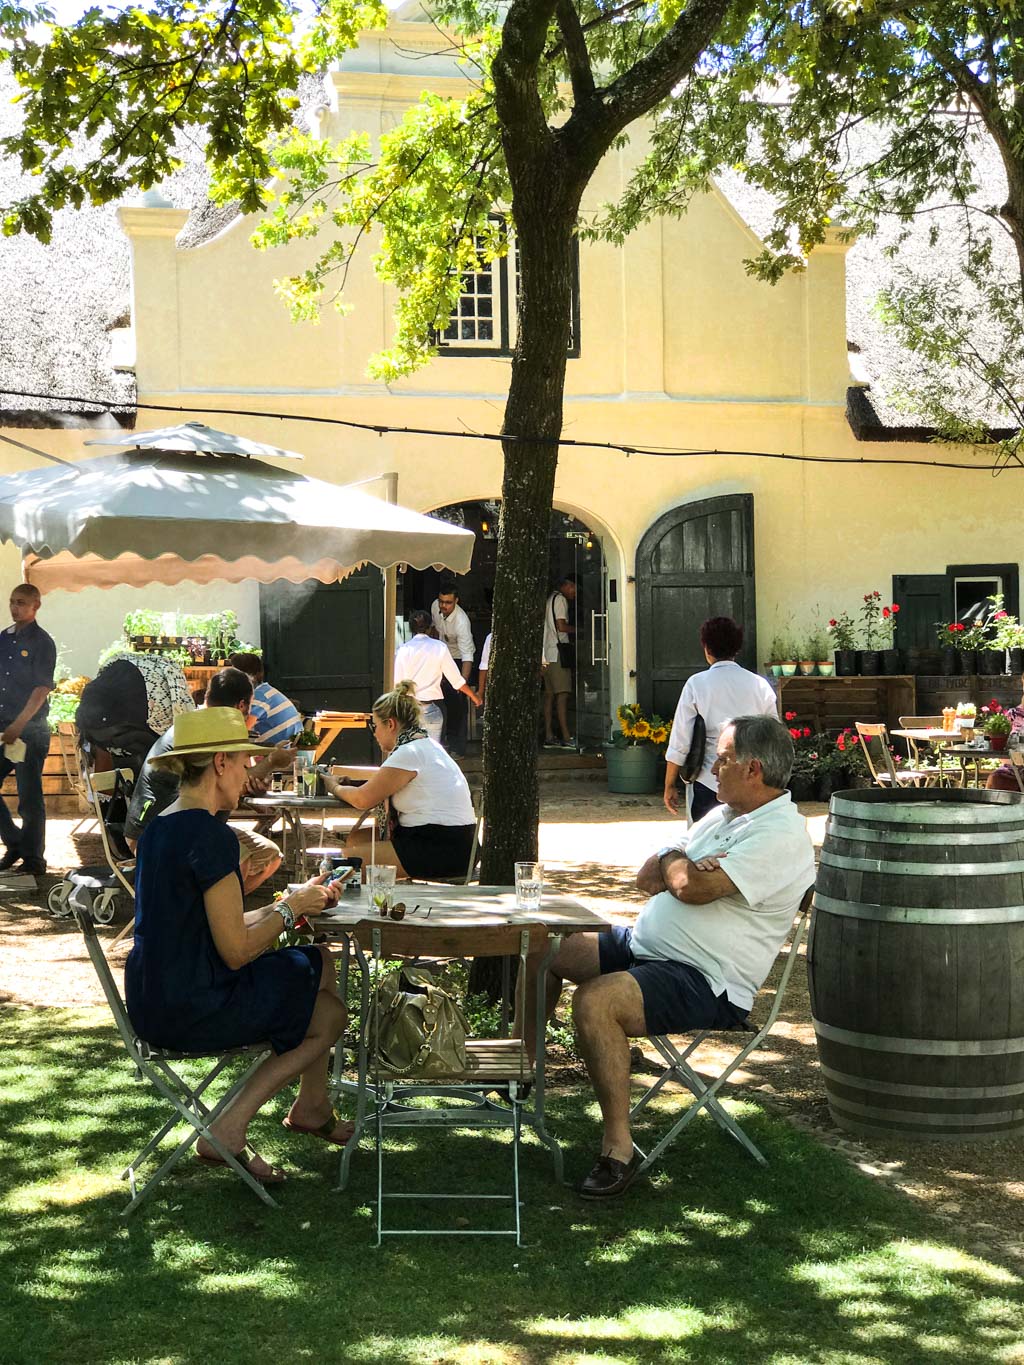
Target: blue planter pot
[633,768]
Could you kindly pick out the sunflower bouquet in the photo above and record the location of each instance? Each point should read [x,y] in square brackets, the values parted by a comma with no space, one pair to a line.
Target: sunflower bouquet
[636,728]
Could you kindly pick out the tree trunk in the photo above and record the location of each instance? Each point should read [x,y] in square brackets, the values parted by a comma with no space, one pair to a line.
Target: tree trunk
[544,240]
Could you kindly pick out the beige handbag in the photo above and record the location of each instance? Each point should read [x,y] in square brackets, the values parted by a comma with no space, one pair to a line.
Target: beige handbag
[420,1028]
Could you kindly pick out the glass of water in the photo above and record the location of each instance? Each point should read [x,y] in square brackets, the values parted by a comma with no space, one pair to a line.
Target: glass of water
[381,881]
[529,884]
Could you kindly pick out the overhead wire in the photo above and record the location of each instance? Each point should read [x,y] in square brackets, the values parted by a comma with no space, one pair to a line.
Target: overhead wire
[1000,460]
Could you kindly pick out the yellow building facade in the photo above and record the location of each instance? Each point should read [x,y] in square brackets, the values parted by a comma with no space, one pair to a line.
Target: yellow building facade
[678,348]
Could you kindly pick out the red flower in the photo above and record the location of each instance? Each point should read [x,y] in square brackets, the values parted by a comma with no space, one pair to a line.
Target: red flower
[999,616]
[867,597]
[841,743]
[854,739]
[794,734]
[895,608]
[790,715]
[876,593]
[886,612]
[807,732]
[833,622]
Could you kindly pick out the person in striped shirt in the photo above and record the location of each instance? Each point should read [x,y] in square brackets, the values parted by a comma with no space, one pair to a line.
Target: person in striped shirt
[277,720]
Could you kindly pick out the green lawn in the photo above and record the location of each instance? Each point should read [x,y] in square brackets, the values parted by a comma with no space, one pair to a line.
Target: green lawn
[715,1260]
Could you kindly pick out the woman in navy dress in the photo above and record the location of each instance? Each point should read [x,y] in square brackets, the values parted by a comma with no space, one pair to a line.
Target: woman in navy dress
[199,976]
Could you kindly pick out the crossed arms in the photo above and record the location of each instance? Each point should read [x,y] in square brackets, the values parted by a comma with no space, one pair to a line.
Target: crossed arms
[693,883]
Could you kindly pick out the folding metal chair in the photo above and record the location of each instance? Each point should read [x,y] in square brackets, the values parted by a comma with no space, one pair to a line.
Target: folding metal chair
[474,857]
[678,1068]
[874,740]
[157,1065]
[493,1087]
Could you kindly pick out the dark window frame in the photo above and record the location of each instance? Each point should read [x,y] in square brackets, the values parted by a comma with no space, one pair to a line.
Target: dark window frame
[503,346]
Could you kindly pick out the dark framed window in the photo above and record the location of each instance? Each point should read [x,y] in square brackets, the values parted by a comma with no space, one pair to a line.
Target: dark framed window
[484,320]
[926,600]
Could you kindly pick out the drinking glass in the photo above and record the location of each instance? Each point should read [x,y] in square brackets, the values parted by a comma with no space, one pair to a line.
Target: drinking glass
[381,881]
[529,884]
[309,780]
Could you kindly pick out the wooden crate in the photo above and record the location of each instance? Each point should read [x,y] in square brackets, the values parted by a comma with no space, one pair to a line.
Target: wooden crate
[934,691]
[58,793]
[834,703]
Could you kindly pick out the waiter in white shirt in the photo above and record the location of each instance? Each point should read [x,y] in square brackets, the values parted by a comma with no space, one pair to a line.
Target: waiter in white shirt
[725,690]
[428,663]
[452,626]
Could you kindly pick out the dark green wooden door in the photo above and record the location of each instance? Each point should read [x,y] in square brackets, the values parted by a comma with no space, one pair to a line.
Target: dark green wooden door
[323,646]
[924,599]
[695,561]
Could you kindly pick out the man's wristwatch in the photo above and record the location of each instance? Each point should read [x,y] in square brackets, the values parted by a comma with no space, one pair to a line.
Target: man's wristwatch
[287,914]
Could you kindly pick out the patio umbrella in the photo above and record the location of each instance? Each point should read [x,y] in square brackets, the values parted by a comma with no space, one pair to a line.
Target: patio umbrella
[157,516]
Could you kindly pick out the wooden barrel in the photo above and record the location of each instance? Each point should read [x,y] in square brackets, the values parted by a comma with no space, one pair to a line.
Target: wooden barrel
[916,962]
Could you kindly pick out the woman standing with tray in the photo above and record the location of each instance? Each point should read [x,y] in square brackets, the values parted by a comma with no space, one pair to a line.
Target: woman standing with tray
[433,821]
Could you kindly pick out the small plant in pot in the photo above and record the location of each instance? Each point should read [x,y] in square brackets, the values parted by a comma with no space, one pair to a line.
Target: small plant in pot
[778,650]
[805,762]
[843,633]
[890,660]
[995,725]
[949,637]
[818,650]
[1010,637]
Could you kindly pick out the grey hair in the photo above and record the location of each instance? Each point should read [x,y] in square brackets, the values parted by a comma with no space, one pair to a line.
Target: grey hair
[767,740]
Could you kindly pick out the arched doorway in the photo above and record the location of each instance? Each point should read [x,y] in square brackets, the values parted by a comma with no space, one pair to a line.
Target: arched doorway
[573,548]
[696,561]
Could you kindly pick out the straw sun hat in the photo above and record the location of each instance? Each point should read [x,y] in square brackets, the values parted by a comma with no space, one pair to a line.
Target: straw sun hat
[212,730]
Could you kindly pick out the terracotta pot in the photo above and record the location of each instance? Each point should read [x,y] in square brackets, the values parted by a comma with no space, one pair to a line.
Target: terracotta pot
[788,667]
[825,669]
[807,667]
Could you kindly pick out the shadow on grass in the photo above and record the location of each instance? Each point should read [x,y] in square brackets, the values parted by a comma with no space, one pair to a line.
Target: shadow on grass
[715,1259]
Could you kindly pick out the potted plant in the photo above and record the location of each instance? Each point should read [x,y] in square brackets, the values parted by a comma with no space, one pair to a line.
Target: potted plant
[806,661]
[869,659]
[996,725]
[949,637]
[818,649]
[992,652]
[777,651]
[804,775]
[850,765]
[966,715]
[890,660]
[844,642]
[972,638]
[634,750]
[1010,638]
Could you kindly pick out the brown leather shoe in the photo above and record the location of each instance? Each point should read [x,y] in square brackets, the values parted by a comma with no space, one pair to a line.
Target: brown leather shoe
[609,1177]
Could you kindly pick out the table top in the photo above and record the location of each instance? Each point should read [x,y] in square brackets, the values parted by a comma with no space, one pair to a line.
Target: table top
[932,733]
[973,751]
[278,800]
[464,907]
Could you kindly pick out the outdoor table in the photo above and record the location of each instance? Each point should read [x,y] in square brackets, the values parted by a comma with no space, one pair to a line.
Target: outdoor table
[291,809]
[330,724]
[448,915]
[965,753]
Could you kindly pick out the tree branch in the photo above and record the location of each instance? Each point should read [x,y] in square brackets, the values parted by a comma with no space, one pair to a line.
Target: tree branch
[650,81]
[516,89]
[576,53]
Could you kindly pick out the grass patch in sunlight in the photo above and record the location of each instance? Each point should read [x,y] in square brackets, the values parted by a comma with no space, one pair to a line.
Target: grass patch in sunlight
[713,1259]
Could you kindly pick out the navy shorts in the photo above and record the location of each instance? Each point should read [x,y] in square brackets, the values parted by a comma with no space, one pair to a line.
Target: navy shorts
[677,997]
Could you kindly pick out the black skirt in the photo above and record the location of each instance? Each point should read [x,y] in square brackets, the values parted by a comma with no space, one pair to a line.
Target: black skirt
[433,850]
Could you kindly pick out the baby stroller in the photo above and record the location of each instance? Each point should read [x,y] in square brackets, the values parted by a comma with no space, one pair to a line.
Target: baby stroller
[100,891]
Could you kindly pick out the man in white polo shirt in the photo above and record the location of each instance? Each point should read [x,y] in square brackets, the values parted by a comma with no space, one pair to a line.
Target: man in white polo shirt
[722,901]
[427,661]
[453,627]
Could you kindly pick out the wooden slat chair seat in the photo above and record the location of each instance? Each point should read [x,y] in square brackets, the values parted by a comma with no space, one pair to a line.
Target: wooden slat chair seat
[875,743]
[185,1097]
[705,1093]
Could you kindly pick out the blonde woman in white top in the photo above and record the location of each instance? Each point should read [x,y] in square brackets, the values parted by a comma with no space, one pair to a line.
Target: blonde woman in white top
[432,824]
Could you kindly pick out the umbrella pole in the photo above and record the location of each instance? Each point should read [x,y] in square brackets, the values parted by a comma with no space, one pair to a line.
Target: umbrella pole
[390,598]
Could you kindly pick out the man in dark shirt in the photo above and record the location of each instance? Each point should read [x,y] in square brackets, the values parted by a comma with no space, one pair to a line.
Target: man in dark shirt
[28,657]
